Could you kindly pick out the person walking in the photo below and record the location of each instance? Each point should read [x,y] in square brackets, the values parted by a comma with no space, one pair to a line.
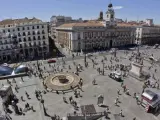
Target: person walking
[121,113]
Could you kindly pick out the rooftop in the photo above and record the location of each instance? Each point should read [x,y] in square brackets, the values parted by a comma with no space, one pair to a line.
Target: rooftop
[84,24]
[128,24]
[19,21]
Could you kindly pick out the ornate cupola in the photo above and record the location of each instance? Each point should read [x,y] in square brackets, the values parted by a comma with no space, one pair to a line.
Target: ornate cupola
[110,16]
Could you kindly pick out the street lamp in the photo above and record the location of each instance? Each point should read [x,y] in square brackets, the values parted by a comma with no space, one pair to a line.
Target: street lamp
[103,67]
[85,51]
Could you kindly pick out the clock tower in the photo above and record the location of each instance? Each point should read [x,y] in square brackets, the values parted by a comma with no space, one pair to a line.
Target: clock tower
[110,16]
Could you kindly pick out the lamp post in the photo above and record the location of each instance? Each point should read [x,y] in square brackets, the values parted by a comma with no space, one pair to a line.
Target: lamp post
[85,52]
[103,67]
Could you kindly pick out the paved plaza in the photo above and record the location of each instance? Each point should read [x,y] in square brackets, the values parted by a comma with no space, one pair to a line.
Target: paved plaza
[54,102]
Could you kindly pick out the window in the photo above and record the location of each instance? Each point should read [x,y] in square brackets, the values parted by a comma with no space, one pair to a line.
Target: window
[24,34]
[29,38]
[34,43]
[23,28]
[5,42]
[44,43]
[29,33]
[20,40]
[34,38]
[19,34]
[42,26]
[39,37]
[18,29]
[20,45]
[3,31]
[27,28]
[6,47]
[44,37]
[38,32]
[8,30]
[43,32]
[37,27]
[24,39]
[30,45]
[32,27]
[33,33]
[39,43]
[13,30]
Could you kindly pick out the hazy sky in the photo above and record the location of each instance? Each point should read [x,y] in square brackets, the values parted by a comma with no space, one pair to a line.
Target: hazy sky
[86,9]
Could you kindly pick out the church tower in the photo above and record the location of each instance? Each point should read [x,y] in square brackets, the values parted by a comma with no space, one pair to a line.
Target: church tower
[110,16]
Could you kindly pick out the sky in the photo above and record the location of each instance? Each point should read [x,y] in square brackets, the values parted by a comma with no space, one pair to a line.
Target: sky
[86,9]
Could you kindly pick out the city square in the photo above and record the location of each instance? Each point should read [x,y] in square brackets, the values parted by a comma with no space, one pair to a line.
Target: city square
[104,66]
[56,102]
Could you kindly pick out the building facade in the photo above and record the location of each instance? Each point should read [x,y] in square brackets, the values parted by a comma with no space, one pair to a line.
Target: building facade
[148,34]
[23,39]
[56,21]
[95,34]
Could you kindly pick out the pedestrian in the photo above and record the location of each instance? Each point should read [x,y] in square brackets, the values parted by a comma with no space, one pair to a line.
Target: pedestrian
[64,99]
[118,92]
[134,96]
[32,109]
[27,94]
[70,99]
[16,89]
[94,82]
[22,98]
[122,84]
[115,102]
[121,113]
[124,88]
[137,100]
[127,92]
[57,92]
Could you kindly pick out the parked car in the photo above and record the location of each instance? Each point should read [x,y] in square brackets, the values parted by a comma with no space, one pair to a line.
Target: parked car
[116,76]
[51,61]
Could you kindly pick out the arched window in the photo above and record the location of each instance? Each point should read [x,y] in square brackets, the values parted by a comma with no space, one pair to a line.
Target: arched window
[34,38]
[29,38]
[38,32]
[30,45]
[44,43]
[44,37]
[20,40]
[33,32]
[39,38]
[24,39]
[43,32]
